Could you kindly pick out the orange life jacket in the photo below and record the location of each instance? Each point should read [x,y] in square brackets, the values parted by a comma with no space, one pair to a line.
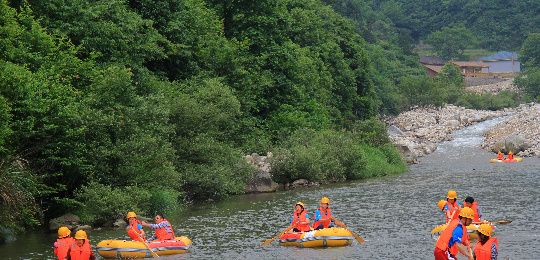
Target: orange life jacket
[444,238]
[165,233]
[500,156]
[83,252]
[300,221]
[483,252]
[474,207]
[450,215]
[134,233]
[61,247]
[510,156]
[326,218]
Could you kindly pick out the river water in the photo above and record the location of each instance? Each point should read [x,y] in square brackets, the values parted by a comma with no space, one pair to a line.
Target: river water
[394,214]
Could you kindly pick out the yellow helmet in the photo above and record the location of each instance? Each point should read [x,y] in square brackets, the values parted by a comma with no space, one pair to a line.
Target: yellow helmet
[441,204]
[510,152]
[131,214]
[81,234]
[325,200]
[301,204]
[452,194]
[485,229]
[466,212]
[63,232]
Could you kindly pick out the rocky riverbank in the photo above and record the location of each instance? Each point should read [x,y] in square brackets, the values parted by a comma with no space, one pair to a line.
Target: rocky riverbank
[520,133]
[493,88]
[417,132]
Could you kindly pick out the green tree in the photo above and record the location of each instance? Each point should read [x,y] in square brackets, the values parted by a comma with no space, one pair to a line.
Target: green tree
[530,51]
[450,42]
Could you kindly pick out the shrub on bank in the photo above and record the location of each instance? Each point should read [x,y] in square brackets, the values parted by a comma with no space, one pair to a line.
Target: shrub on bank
[489,101]
[331,156]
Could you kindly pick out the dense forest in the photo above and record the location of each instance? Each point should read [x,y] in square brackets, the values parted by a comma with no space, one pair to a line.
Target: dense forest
[144,105]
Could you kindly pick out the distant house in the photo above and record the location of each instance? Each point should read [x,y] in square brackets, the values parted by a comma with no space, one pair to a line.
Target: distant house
[432,64]
[470,67]
[502,62]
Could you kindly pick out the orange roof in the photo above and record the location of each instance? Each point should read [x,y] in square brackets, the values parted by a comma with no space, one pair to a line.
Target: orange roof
[474,64]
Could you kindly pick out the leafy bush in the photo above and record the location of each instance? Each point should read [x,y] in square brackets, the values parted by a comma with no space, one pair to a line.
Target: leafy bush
[102,203]
[330,156]
[489,101]
[529,82]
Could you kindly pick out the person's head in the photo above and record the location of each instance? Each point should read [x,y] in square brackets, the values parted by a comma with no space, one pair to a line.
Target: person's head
[466,215]
[63,232]
[80,237]
[159,217]
[131,217]
[441,204]
[299,206]
[325,202]
[510,152]
[469,201]
[451,196]
[485,231]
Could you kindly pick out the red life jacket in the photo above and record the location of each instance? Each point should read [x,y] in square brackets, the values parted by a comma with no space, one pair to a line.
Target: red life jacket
[134,233]
[300,221]
[474,207]
[444,238]
[500,156]
[450,215]
[80,253]
[483,252]
[61,247]
[510,156]
[165,233]
[326,218]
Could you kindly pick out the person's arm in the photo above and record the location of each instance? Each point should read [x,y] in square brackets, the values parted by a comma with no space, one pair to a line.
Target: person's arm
[317,215]
[159,225]
[464,250]
[307,220]
[494,252]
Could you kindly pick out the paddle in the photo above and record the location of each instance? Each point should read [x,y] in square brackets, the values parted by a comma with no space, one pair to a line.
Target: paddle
[358,238]
[268,241]
[154,254]
[440,228]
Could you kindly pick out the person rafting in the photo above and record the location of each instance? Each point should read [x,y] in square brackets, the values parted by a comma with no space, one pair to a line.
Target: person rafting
[452,206]
[323,215]
[487,246]
[510,156]
[454,237]
[62,244]
[441,204]
[500,156]
[300,220]
[163,229]
[469,202]
[134,228]
[81,249]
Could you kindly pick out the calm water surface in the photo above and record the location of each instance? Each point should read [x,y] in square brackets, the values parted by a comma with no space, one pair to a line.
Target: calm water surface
[394,214]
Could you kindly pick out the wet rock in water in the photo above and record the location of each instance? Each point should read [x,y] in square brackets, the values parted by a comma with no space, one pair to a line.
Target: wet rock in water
[68,220]
[119,223]
[83,227]
[300,183]
[261,180]
[394,130]
[406,151]
[7,235]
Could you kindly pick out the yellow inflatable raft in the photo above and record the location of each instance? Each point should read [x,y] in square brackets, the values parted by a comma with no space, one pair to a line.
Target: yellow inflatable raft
[516,159]
[135,249]
[326,237]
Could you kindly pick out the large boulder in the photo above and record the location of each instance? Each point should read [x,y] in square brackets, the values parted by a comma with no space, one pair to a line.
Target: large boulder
[406,149]
[514,143]
[68,220]
[261,180]
[394,131]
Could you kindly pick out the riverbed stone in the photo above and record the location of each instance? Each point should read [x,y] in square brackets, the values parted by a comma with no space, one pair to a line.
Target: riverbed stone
[261,180]
[83,227]
[119,223]
[68,220]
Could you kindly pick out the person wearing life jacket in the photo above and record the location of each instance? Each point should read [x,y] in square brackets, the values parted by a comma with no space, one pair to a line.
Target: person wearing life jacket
[500,156]
[323,215]
[163,229]
[81,249]
[487,246]
[62,244]
[300,220]
[469,202]
[452,206]
[134,228]
[510,156]
[441,204]
[454,238]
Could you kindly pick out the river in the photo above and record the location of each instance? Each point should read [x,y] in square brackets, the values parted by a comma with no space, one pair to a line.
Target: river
[394,214]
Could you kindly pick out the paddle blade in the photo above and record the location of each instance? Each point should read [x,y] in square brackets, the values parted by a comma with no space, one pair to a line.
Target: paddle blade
[267,241]
[358,238]
[502,222]
[438,228]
